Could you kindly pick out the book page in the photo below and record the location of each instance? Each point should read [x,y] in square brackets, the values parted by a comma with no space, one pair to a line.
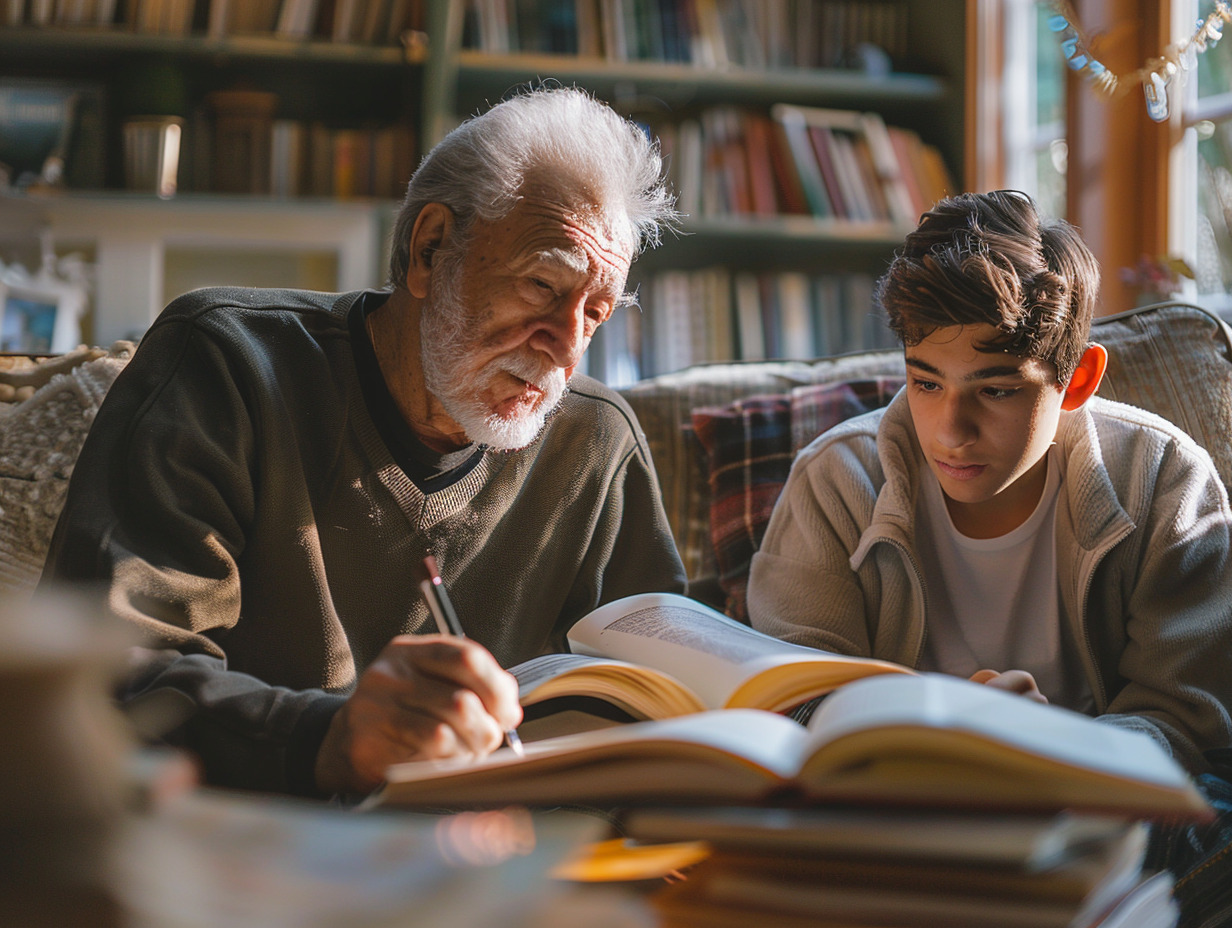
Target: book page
[933,732]
[726,663]
[535,672]
[641,691]
[708,756]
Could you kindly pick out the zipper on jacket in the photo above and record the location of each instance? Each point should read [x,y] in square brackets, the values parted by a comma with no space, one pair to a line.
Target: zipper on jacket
[921,599]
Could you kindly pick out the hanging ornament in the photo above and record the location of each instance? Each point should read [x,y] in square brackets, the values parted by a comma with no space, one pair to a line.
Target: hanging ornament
[1155,75]
[1156,90]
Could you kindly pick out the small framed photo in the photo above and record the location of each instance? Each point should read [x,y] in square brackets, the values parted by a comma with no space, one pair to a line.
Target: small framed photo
[51,133]
[40,317]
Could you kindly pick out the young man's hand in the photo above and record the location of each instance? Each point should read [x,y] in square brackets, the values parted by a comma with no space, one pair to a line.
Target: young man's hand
[425,697]
[1015,681]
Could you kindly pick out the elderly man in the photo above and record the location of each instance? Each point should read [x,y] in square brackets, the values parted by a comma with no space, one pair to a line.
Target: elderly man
[269,471]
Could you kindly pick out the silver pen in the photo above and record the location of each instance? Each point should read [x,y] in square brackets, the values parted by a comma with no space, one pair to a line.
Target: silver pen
[447,623]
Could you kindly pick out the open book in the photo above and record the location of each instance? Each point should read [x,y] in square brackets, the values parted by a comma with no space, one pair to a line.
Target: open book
[921,740]
[659,655]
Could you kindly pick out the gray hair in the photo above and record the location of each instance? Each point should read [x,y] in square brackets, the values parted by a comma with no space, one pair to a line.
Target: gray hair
[584,152]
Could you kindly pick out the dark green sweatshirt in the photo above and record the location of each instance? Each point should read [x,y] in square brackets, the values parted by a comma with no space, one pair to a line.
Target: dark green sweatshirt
[237,500]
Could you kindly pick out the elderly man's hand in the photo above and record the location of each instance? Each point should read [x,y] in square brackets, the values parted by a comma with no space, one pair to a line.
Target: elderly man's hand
[425,697]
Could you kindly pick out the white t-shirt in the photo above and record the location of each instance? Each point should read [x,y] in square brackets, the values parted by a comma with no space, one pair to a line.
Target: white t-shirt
[994,602]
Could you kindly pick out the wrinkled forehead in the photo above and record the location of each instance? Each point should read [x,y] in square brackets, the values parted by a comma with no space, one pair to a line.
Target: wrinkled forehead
[601,239]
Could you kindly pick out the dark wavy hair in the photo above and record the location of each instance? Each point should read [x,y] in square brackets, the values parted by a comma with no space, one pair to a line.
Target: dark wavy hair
[990,258]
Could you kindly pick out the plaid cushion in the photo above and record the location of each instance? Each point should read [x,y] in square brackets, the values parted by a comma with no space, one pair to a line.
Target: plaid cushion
[664,406]
[749,446]
[1173,359]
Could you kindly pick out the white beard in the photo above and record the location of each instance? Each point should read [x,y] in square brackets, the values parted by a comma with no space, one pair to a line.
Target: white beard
[446,334]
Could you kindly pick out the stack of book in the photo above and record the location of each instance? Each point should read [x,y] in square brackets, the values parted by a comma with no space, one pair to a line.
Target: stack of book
[909,868]
[906,799]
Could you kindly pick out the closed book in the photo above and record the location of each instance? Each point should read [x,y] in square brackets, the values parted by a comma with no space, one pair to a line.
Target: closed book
[787,178]
[747,294]
[615,39]
[899,200]
[903,141]
[320,160]
[822,149]
[758,144]
[288,158]
[219,20]
[851,178]
[874,183]
[589,31]
[734,157]
[795,315]
[795,130]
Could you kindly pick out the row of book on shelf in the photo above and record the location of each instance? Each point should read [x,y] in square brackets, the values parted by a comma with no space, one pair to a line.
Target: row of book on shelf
[716,314]
[231,142]
[755,34]
[295,158]
[837,166]
[375,22]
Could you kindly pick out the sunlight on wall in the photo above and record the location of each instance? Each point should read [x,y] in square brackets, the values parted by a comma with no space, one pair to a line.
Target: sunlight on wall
[189,268]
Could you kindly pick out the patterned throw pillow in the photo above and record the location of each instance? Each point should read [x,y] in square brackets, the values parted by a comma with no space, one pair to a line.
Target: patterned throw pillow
[749,446]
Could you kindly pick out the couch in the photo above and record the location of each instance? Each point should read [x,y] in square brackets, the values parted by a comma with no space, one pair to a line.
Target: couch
[722,435]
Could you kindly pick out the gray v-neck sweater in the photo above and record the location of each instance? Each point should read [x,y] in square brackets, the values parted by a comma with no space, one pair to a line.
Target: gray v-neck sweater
[236,502]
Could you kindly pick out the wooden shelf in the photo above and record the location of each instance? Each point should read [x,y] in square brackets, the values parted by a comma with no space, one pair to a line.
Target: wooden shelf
[24,42]
[432,83]
[778,242]
[196,201]
[130,234]
[682,84]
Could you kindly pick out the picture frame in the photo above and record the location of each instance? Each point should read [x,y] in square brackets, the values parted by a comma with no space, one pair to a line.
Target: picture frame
[40,316]
[52,133]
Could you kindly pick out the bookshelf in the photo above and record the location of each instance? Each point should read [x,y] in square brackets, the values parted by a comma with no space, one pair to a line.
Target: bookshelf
[694,282]
[443,66]
[329,94]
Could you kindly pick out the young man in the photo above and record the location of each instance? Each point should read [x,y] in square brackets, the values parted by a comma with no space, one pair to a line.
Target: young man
[997,521]
[263,481]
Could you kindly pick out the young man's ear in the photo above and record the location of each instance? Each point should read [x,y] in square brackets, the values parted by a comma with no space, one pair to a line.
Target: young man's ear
[1087,375]
[430,232]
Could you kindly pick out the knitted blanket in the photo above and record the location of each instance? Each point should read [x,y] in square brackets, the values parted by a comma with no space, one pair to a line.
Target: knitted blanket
[40,438]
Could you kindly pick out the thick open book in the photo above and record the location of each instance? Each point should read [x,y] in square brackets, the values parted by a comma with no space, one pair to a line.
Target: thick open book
[921,740]
[659,655]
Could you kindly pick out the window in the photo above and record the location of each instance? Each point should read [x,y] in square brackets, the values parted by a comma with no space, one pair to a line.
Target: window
[1034,116]
[1209,123]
